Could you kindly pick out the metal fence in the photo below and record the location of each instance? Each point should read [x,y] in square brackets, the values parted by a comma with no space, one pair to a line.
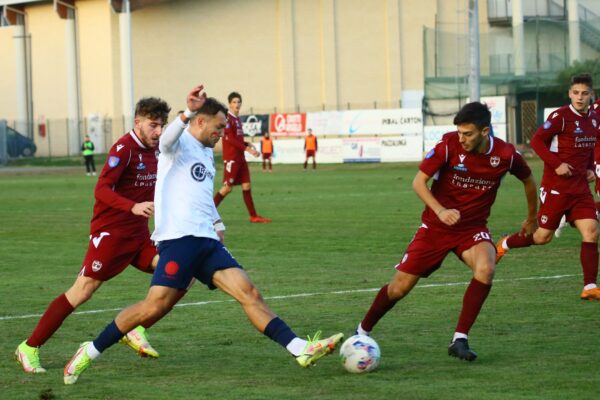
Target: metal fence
[63,137]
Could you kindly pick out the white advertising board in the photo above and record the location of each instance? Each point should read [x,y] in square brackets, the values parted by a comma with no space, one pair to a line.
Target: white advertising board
[405,121]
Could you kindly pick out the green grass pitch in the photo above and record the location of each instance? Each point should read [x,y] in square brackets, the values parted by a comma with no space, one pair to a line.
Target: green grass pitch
[336,236]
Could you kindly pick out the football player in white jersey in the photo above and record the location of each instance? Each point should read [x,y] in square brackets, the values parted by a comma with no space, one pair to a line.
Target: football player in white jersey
[190,235]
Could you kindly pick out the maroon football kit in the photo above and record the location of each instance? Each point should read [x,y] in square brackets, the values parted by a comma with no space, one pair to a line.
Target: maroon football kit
[465,181]
[569,137]
[236,168]
[117,236]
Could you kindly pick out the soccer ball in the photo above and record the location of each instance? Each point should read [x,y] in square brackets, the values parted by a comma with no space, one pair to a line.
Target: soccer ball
[360,354]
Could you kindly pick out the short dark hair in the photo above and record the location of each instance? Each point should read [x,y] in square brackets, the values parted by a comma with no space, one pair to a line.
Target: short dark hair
[152,108]
[474,113]
[233,95]
[585,79]
[212,107]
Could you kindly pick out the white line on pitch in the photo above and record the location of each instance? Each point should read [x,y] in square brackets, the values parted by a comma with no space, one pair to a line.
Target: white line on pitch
[291,296]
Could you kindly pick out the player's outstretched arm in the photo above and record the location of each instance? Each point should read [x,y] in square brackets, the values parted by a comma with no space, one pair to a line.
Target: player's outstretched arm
[447,216]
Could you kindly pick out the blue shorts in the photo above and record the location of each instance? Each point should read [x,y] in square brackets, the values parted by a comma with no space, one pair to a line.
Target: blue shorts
[191,257]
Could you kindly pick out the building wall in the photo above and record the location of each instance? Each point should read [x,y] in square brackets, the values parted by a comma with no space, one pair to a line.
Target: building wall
[281,55]
[8,72]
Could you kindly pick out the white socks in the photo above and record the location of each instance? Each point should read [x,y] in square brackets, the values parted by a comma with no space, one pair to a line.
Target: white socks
[458,335]
[296,346]
[361,331]
[91,351]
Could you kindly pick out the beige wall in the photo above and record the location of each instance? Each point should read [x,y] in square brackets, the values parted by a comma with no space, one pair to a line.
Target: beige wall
[8,107]
[279,54]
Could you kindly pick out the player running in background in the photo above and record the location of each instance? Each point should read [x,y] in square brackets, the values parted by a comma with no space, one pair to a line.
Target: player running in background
[467,167]
[596,108]
[266,148]
[119,233]
[310,146]
[565,142]
[190,234]
[236,171]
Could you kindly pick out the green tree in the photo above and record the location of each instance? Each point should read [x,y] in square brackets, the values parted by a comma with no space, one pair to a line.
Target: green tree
[591,67]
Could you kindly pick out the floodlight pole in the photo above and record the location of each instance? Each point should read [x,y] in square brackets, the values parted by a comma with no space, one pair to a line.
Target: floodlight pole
[474,50]
[574,31]
[126,64]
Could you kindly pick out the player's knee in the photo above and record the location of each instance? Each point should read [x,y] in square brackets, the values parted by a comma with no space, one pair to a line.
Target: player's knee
[156,309]
[485,274]
[396,291]
[225,190]
[543,239]
[590,236]
[250,295]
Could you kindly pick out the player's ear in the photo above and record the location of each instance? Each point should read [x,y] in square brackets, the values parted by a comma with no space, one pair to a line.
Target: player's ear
[485,131]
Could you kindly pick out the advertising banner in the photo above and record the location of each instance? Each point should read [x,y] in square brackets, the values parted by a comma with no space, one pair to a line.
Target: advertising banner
[406,121]
[289,124]
[433,133]
[255,125]
[362,150]
[401,148]
[291,151]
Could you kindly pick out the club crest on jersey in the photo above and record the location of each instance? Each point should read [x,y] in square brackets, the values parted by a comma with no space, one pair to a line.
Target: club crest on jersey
[113,161]
[494,161]
[547,125]
[578,130]
[96,265]
[199,172]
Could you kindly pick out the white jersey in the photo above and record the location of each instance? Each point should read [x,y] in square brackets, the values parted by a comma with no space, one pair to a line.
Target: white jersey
[183,199]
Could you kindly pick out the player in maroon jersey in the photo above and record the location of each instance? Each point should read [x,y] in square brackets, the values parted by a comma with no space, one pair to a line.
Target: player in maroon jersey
[236,170]
[596,108]
[565,142]
[119,233]
[467,167]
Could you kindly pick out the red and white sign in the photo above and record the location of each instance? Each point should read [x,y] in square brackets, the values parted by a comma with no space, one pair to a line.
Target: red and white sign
[290,124]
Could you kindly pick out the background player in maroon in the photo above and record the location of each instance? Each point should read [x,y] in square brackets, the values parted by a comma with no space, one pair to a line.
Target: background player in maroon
[467,167]
[119,233]
[236,170]
[596,108]
[565,142]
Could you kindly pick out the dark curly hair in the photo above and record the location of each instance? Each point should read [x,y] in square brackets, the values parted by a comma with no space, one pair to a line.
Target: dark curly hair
[152,108]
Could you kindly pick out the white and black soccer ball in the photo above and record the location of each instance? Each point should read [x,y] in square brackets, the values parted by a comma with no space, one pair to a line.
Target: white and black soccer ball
[360,354]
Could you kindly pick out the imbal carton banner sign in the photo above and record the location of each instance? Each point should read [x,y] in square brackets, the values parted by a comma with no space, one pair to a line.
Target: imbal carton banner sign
[405,121]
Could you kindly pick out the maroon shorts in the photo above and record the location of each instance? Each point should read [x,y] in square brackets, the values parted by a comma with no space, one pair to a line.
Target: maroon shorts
[266,156]
[235,172]
[554,205]
[310,153]
[109,254]
[429,247]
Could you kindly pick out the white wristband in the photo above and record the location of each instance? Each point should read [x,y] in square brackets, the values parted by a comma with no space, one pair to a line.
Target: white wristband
[188,113]
[219,226]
